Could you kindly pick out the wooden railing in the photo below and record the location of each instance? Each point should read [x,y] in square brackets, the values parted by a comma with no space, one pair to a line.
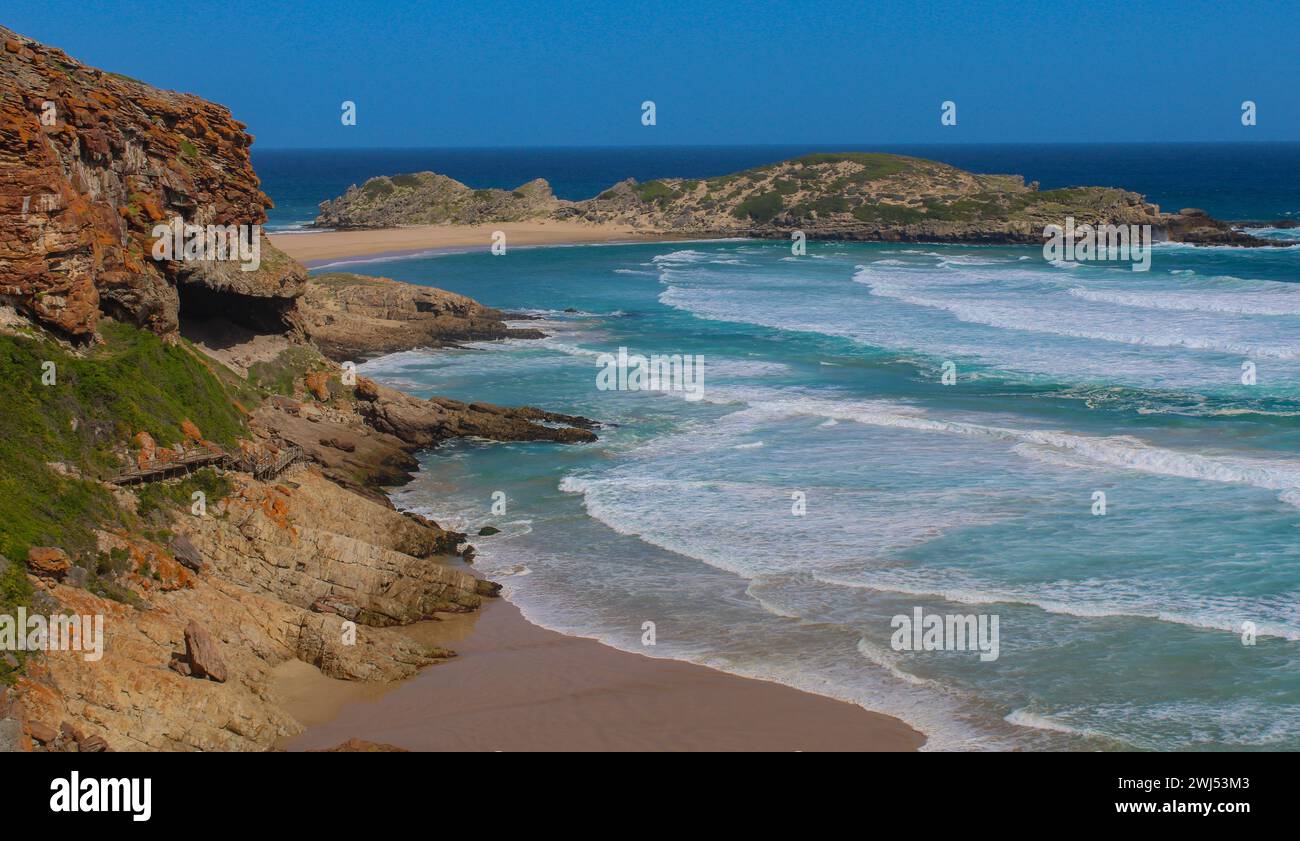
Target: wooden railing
[269,466]
[181,464]
[262,468]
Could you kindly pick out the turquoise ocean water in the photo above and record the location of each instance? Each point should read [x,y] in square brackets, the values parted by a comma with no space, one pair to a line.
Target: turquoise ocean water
[823,376]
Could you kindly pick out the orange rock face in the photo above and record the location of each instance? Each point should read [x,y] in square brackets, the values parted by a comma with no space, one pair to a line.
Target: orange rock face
[89,163]
[48,562]
[190,431]
[318,384]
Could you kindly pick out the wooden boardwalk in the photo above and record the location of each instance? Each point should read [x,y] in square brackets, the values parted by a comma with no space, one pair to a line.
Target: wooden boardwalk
[262,469]
[179,466]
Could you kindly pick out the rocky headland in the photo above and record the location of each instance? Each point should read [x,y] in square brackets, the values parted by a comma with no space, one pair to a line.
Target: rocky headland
[181,451]
[832,196]
[352,317]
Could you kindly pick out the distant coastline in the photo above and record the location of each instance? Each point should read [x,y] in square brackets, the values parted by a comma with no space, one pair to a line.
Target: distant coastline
[1173,175]
[314,249]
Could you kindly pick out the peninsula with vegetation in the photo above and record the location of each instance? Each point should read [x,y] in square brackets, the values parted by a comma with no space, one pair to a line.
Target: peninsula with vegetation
[863,196]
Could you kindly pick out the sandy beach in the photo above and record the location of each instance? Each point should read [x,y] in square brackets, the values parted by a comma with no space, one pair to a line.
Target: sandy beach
[519,687]
[314,247]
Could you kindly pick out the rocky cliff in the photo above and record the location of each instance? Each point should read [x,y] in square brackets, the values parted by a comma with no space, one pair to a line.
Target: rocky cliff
[199,473]
[90,162]
[846,196]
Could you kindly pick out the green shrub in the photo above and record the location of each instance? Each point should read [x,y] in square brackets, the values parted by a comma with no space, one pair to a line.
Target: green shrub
[15,592]
[377,188]
[875,164]
[655,190]
[279,374]
[161,496]
[761,207]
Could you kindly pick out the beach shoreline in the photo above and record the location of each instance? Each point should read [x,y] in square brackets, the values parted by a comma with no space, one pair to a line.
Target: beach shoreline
[316,248]
[516,686]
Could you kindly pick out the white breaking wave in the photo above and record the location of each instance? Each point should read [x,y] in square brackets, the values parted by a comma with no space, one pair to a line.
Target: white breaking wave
[1236,303]
[1025,718]
[680,257]
[1096,599]
[1249,723]
[1016,316]
[1119,452]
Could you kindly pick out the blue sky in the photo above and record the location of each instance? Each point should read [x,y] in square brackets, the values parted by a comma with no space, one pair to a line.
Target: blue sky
[487,73]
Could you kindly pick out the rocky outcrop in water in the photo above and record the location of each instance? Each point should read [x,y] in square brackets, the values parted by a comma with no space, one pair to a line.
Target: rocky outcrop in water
[352,317]
[427,423]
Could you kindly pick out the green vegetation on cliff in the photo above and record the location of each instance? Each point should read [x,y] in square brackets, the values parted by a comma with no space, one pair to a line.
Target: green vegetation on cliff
[761,207]
[178,495]
[278,375]
[83,422]
[15,590]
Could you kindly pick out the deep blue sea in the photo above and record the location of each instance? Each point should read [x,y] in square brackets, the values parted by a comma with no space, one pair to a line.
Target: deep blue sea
[1169,621]
[1232,181]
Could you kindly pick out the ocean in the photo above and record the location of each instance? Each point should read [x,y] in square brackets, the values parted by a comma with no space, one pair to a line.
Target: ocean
[1255,181]
[828,480]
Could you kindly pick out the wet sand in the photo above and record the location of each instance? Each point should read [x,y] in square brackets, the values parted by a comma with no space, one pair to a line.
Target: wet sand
[519,687]
[316,247]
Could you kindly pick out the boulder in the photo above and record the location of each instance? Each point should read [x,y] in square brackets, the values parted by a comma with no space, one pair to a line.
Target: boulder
[93,744]
[185,553]
[68,732]
[42,732]
[48,562]
[202,655]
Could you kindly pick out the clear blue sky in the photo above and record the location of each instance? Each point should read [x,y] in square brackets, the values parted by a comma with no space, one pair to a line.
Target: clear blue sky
[487,73]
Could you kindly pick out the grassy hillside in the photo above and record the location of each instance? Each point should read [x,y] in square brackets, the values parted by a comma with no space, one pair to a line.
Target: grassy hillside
[85,420]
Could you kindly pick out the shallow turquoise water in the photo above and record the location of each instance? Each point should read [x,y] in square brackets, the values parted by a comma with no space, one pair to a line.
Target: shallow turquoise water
[823,376]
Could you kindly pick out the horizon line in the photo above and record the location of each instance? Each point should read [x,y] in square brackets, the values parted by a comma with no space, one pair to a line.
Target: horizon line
[830,146]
